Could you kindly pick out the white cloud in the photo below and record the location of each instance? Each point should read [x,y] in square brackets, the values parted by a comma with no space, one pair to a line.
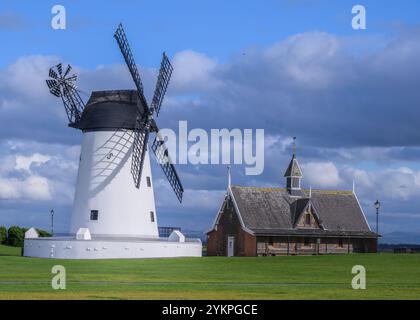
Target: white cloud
[321,174]
[193,70]
[401,183]
[361,177]
[31,188]
[37,172]
[26,77]
[306,58]
[24,163]
[398,183]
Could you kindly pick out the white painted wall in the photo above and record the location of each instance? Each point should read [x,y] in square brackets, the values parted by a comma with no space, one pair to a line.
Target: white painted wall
[109,249]
[105,183]
[31,233]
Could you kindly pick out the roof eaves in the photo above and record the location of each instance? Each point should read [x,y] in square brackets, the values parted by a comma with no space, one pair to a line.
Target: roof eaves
[361,209]
[245,228]
[216,220]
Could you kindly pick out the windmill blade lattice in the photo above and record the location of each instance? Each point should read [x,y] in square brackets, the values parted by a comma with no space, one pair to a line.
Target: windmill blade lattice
[122,41]
[141,137]
[165,73]
[162,155]
[145,122]
[64,85]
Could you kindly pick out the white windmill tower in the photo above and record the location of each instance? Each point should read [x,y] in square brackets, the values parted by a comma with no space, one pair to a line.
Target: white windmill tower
[108,207]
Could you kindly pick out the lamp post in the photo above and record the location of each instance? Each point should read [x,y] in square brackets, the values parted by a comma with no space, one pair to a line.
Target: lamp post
[52,222]
[377,205]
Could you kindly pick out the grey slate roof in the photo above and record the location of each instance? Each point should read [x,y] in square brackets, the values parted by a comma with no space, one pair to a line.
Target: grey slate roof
[274,211]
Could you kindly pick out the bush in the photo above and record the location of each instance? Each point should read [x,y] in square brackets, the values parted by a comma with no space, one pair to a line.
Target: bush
[3,235]
[43,233]
[15,236]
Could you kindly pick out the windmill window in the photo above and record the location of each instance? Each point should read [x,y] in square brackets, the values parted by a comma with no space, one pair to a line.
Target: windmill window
[94,215]
[152,216]
[149,182]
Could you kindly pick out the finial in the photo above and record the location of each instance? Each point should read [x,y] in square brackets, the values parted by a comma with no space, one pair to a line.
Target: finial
[294,146]
[229,177]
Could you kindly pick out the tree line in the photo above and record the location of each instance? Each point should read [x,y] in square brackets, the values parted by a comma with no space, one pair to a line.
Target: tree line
[14,236]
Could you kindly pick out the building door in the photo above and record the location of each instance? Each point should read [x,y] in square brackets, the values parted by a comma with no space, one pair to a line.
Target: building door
[230,246]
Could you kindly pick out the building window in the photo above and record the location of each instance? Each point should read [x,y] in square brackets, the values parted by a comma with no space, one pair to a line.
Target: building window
[340,243]
[308,219]
[152,216]
[149,182]
[94,215]
[306,242]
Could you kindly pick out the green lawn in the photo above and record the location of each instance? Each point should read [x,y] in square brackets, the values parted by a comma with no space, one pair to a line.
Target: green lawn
[389,276]
[9,251]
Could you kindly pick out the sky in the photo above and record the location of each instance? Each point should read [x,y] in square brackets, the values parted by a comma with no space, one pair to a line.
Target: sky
[292,68]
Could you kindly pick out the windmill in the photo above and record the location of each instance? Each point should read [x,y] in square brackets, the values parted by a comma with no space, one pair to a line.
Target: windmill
[116,127]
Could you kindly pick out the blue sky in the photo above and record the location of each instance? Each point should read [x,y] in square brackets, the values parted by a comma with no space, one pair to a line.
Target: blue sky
[293,68]
[217,28]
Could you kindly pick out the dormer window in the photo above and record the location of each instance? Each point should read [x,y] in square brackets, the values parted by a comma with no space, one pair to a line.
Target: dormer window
[308,219]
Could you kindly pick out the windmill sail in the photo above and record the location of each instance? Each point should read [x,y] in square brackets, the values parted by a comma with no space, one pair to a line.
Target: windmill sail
[145,122]
[162,155]
[122,41]
[165,73]
[64,86]
[141,136]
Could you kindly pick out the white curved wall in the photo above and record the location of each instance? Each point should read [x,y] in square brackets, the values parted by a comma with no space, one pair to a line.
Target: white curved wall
[105,183]
[109,249]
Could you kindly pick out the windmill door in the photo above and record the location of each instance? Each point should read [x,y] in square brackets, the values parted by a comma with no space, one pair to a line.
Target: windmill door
[230,246]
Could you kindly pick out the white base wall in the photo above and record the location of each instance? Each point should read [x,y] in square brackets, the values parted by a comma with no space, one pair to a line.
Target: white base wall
[70,248]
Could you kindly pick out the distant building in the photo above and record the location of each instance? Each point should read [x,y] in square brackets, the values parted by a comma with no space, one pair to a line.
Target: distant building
[256,221]
[165,232]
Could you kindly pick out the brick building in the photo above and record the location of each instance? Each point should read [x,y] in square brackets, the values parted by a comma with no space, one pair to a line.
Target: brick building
[255,221]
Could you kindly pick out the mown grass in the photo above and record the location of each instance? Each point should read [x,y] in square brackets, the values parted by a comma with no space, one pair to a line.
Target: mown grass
[389,276]
[9,251]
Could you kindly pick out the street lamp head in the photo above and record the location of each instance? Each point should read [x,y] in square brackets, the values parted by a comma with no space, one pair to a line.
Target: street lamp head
[377,204]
